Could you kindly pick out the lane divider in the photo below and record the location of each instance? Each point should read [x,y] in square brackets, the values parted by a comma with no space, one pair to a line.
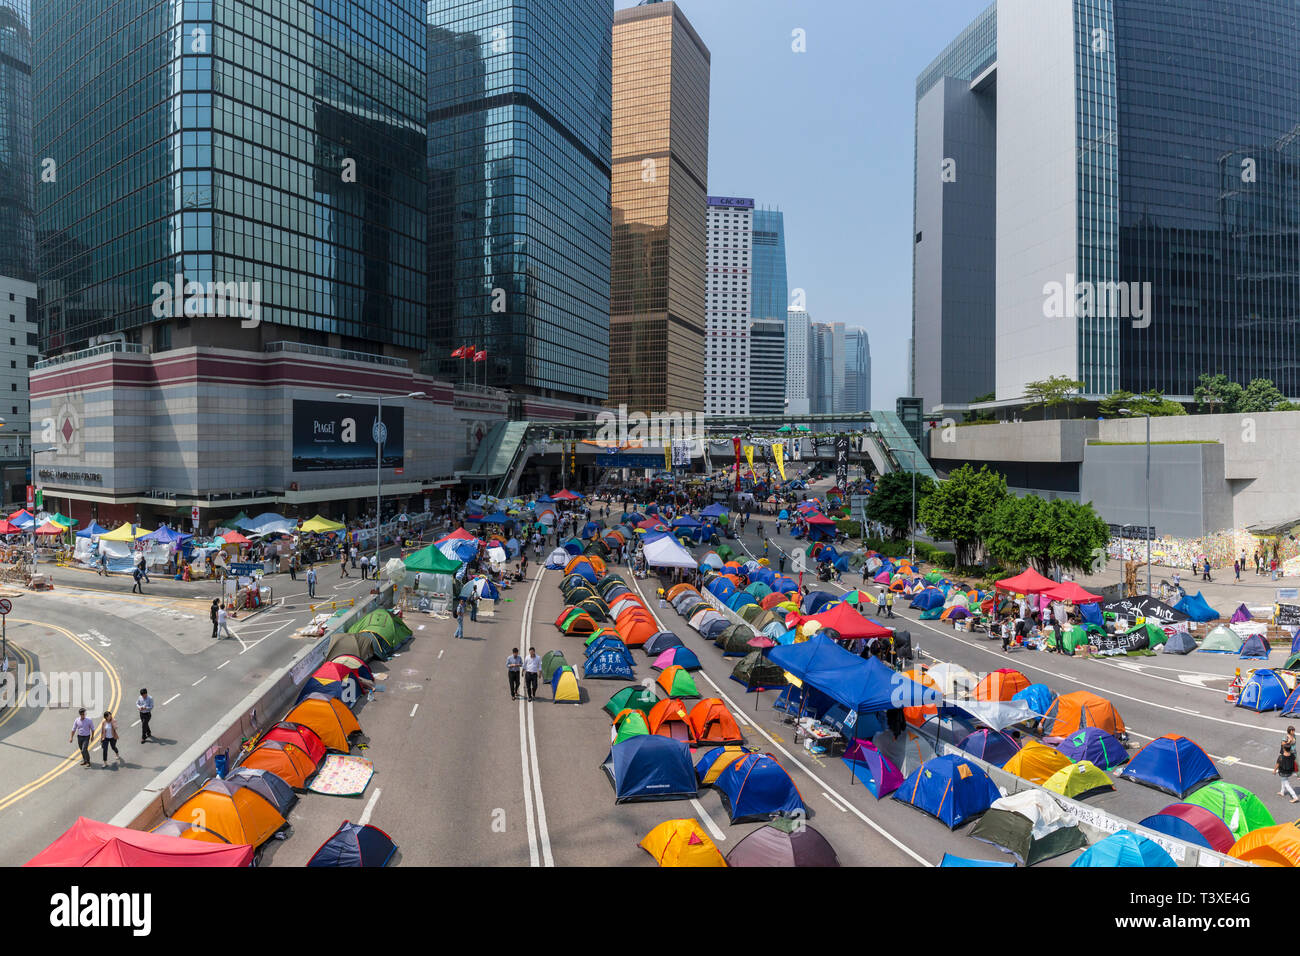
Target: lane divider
[539,841]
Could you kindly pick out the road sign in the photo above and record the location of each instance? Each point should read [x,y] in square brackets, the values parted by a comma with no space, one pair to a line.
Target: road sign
[379,432]
[399,471]
[5,606]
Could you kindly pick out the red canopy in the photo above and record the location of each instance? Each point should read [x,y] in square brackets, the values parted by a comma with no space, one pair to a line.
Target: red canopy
[1069,591]
[7,528]
[1027,582]
[460,534]
[564,495]
[51,528]
[819,519]
[848,622]
[20,513]
[91,843]
[233,537]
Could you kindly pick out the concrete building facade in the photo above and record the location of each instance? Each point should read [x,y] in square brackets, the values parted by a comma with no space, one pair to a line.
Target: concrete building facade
[729,270]
[797,330]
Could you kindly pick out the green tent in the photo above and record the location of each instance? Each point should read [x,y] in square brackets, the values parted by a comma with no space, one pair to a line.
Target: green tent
[1236,806]
[1078,635]
[381,621]
[551,662]
[756,672]
[750,611]
[364,645]
[725,552]
[632,725]
[680,683]
[431,561]
[1155,633]
[759,590]
[1223,639]
[637,698]
[1292,662]
[934,577]
[1014,833]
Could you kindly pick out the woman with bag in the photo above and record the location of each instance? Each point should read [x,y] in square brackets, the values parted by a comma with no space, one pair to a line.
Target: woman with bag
[108,736]
[1285,765]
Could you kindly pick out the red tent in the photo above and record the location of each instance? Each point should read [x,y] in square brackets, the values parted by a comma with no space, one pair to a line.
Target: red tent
[50,528]
[20,513]
[1027,582]
[1069,591]
[819,519]
[564,495]
[7,528]
[460,534]
[233,537]
[848,622]
[91,843]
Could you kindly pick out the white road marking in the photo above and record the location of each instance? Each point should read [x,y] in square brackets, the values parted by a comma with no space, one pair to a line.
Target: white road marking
[440,653]
[219,666]
[413,710]
[528,790]
[199,681]
[835,803]
[370,805]
[169,700]
[714,830]
[537,832]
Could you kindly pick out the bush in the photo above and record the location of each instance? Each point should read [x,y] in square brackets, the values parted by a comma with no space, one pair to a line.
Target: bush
[852,528]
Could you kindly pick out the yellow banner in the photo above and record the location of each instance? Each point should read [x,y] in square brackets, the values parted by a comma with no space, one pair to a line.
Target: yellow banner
[749,457]
[668,457]
[778,452]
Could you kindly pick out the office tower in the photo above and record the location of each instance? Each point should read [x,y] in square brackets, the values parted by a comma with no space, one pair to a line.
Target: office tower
[766,371]
[307,179]
[769,295]
[519,203]
[796,362]
[826,367]
[17,222]
[659,187]
[727,308]
[1145,199]
[857,371]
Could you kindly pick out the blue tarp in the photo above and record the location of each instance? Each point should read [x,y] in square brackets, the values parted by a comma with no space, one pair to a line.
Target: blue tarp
[950,860]
[1264,691]
[1039,697]
[1125,848]
[863,685]
[650,767]
[714,511]
[1173,764]
[1196,608]
[756,787]
[1091,613]
[950,789]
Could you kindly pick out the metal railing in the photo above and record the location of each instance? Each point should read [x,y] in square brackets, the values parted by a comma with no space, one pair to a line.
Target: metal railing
[306,349]
[129,348]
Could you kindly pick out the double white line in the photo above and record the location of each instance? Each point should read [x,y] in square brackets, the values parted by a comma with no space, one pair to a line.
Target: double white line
[537,833]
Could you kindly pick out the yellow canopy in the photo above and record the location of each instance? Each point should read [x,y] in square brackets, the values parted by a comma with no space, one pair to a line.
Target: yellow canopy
[319,525]
[124,532]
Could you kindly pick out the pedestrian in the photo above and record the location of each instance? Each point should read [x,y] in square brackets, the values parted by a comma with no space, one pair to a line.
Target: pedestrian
[513,665]
[889,603]
[365,566]
[108,736]
[1272,569]
[103,563]
[1285,765]
[82,728]
[523,566]
[1006,634]
[136,575]
[144,570]
[532,673]
[311,581]
[222,626]
[212,613]
[144,706]
[1236,570]
[880,599]
[343,563]
[780,561]
[473,603]
[459,613]
[354,555]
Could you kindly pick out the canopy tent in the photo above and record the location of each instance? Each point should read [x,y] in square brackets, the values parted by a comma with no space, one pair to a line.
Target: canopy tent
[269,523]
[50,528]
[165,535]
[1071,592]
[124,532]
[430,560]
[91,843]
[783,842]
[1125,848]
[1028,581]
[848,623]
[319,525]
[863,686]
[665,552]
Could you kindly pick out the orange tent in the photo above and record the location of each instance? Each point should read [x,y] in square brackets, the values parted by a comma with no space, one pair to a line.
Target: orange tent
[712,723]
[187,831]
[240,817]
[304,738]
[734,579]
[1070,713]
[916,716]
[291,764]
[773,599]
[1001,685]
[635,631]
[668,718]
[1270,846]
[677,590]
[329,718]
[1036,762]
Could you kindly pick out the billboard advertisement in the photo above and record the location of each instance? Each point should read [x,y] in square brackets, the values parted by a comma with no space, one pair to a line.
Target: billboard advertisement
[329,436]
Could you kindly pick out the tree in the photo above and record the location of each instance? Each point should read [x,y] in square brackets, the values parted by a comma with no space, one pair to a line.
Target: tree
[1217,393]
[1053,391]
[1261,395]
[955,510]
[1030,530]
[891,503]
[978,416]
[1076,534]
[1150,402]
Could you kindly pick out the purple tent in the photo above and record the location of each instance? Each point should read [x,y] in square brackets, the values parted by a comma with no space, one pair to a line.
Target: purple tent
[958,613]
[873,768]
[783,843]
[1241,614]
[992,746]
[882,578]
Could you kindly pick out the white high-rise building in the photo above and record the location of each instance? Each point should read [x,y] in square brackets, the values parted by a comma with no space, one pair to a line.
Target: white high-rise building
[730,232]
[796,362]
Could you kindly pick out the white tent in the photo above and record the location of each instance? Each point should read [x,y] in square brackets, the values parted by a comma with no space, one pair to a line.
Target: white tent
[953,679]
[1041,810]
[666,553]
[558,559]
[996,714]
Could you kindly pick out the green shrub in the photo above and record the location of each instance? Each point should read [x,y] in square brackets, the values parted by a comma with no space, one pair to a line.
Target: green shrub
[852,528]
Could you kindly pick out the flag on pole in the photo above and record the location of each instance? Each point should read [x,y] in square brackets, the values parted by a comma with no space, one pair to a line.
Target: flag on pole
[480,356]
[459,353]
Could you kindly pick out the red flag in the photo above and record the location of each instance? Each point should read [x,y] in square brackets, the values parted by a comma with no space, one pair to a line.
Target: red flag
[458,353]
[480,356]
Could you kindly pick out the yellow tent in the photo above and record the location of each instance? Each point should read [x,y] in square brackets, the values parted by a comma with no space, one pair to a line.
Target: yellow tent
[1036,762]
[724,760]
[319,525]
[1079,781]
[125,532]
[564,686]
[681,843]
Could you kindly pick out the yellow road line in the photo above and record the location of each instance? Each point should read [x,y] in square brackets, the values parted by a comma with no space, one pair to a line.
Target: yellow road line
[67,763]
[27,669]
[153,601]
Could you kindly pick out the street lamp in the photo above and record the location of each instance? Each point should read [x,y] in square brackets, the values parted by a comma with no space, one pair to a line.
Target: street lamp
[379,433]
[1147,415]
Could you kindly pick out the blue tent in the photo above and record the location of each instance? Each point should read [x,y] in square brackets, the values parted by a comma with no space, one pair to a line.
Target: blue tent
[685,521]
[609,642]
[711,629]
[783,584]
[1125,848]
[756,787]
[1039,697]
[842,563]
[714,511]
[609,664]
[1176,827]
[650,767]
[1254,648]
[94,530]
[814,601]
[661,642]
[1173,764]
[355,844]
[1180,642]
[927,600]
[950,860]
[1196,608]
[950,789]
[710,757]
[165,535]
[721,588]
[589,530]
[345,690]
[991,746]
[862,685]
[1292,706]
[740,599]
[1264,691]
[764,575]
[1095,745]
[686,658]
[1091,613]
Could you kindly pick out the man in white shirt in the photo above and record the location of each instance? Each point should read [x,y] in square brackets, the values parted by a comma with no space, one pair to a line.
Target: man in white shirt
[144,704]
[514,663]
[83,728]
[221,622]
[532,672]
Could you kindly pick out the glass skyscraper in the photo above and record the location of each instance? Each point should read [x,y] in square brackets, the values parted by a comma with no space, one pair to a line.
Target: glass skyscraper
[17,221]
[278,142]
[769,295]
[519,117]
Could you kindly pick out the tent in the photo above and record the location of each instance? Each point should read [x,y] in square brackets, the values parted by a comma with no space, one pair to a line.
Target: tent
[629,723]
[1095,746]
[648,767]
[669,718]
[1255,648]
[864,686]
[1236,806]
[677,682]
[564,686]
[783,842]
[1028,581]
[89,843]
[386,624]
[609,663]
[950,860]
[1125,848]
[948,788]
[1196,608]
[551,662]
[756,672]
[291,764]
[1030,825]
[1079,781]
[1070,713]
[660,642]
[638,698]
[319,525]
[431,560]
[1264,690]
[330,719]
[757,787]
[717,759]
[557,560]
[1072,593]
[681,843]
[1039,697]
[124,532]
[952,680]
[991,746]
[907,751]
[1191,824]
[301,736]
[712,723]
[873,768]
[1180,642]
[241,816]
[266,785]
[848,622]
[1171,763]
[681,656]
[1291,707]
[665,552]
[355,844]
[1002,684]
[1036,762]
[192,831]
[362,645]
[1270,846]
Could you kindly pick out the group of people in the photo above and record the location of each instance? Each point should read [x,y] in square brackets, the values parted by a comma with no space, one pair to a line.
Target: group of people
[530,666]
[83,729]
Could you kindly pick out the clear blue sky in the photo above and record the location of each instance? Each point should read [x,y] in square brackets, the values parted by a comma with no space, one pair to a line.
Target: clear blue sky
[827,136]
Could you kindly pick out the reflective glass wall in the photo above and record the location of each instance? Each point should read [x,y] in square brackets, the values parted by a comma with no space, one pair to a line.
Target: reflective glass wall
[17,221]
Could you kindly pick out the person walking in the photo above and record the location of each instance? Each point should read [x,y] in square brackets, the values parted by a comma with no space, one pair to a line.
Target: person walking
[82,729]
[136,575]
[343,563]
[212,613]
[293,567]
[365,566]
[108,736]
[103,563]
[144,569]
[1006,634]
[1236,570]
[889,603]
[1285,765]
[473,603]
[523,565]
[311,581]
[222,626]
[532,672]
[880,600]
[354,556]
[144,706]
[514,663]
[780,562]
[459,613]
